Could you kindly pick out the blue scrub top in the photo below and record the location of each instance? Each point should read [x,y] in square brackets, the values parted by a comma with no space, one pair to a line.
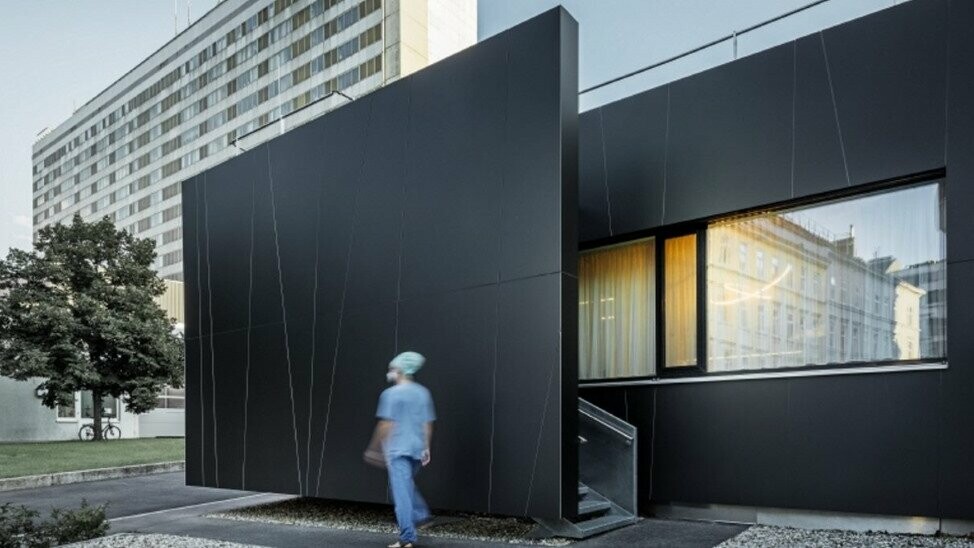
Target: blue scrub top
[410,406]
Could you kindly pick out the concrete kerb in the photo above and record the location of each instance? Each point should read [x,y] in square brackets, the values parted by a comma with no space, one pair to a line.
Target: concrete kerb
[78,476]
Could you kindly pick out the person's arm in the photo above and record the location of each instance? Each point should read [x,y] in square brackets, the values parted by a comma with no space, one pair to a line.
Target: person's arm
[383,429]
[428,429]
[429,439]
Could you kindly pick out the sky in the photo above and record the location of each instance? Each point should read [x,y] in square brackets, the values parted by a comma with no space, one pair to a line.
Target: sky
[903,224]
[619,36]
[55,55]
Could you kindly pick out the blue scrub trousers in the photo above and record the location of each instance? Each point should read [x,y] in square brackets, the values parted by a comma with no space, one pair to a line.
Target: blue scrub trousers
[410,506]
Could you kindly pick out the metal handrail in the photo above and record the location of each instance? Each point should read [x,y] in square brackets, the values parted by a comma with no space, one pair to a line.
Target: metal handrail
[732,36]
[604,423]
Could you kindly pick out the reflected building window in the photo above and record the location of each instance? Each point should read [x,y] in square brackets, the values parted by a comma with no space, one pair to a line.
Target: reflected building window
[883,259]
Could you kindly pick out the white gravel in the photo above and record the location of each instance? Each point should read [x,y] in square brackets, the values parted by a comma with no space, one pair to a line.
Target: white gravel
[132,540]
[764,535]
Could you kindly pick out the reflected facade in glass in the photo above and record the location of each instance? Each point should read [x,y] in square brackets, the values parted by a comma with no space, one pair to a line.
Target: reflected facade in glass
[857,280]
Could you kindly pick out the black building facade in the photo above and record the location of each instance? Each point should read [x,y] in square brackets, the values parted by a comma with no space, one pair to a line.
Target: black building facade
[436,214]
[445,214]
[886,101]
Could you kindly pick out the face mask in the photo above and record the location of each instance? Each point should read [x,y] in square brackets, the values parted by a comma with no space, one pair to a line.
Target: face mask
[392,376]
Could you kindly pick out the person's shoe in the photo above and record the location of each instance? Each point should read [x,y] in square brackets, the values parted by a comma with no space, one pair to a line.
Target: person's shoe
[398,544]
[426,523]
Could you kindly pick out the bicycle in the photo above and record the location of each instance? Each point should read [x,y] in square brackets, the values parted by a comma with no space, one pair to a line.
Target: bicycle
[109,432]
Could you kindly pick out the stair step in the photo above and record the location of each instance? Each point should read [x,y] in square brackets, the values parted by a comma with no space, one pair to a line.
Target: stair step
[587,507]
[601,524]
[582,489]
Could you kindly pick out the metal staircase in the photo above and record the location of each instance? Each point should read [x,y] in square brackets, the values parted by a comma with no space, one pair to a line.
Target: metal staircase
[607,475]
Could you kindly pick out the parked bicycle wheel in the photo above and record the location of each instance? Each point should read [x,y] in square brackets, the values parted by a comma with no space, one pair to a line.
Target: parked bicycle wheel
[112,432]
[86,433]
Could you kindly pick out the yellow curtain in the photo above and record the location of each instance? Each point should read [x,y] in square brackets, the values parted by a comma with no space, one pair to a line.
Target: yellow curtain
[617,311]
[680,300]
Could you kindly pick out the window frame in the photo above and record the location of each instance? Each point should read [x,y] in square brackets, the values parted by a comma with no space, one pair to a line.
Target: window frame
[656,286]
[78,417]
[165,394]
[699,227]
[699,231]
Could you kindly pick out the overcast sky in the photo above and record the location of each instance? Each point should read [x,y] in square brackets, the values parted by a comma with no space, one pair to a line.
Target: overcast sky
[57,54]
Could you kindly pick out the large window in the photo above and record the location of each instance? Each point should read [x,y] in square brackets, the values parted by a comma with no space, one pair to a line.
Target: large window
[856,280]
[617,311]
[852,281]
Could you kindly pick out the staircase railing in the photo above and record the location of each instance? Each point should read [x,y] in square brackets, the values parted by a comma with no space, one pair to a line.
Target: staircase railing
[607,455]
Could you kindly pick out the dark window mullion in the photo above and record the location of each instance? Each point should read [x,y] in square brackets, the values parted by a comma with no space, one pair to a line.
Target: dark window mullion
[660,307]
[662,370]
[701,268]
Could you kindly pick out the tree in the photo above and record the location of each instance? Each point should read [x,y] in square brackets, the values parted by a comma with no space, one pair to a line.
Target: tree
[79,311]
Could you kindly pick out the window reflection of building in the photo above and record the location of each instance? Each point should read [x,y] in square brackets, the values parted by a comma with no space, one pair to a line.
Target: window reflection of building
[931,276]
[843,308]
[782,291]
[764,303]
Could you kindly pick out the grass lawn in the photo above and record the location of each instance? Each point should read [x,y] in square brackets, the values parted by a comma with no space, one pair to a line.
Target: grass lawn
[28,459]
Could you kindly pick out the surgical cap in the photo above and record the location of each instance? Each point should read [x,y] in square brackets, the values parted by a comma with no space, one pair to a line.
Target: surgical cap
[408,362]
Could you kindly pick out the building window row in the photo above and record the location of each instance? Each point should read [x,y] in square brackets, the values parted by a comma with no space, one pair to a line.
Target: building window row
[339,82]
[172,235]
[852,281]
[172,257]
[335,55]
[283,29]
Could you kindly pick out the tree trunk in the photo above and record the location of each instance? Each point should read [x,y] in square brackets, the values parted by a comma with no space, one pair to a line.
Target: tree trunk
[96,402]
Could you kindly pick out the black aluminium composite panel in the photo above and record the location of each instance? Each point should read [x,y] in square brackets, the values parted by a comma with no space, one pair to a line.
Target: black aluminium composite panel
[436,214]
[884,96]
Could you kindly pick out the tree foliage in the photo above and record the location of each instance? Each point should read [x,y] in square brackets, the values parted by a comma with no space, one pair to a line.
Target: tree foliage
[79,311]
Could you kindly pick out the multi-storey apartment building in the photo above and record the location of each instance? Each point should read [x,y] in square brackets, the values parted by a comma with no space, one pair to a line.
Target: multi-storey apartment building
[243,72]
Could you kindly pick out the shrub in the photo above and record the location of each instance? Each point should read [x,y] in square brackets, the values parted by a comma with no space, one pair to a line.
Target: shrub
[16,525]
[76,525]
[19,527]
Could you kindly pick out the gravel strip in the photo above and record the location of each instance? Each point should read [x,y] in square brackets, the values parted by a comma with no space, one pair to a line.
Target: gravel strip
[764,535]
[132,540]
[378,518]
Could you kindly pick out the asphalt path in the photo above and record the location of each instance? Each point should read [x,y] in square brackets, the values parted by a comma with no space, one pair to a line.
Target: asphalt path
[124,497]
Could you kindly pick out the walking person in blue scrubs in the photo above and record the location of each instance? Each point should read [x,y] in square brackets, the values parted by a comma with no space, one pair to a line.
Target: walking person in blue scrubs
[405,429]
